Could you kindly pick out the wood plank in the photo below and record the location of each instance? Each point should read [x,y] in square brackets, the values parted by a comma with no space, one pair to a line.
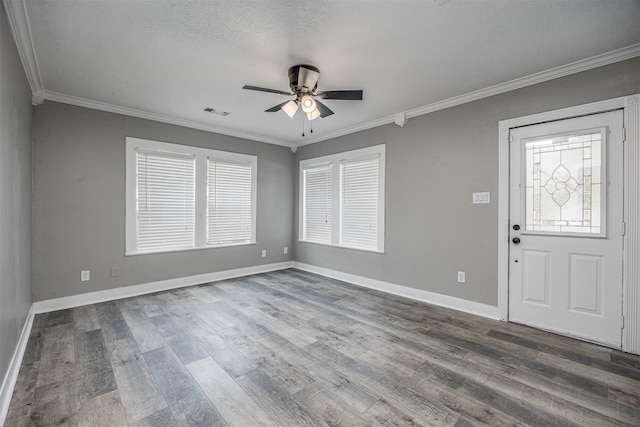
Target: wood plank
[172,378]
[105,410]
[275,401]
[163,418]
[114,327]
[226,355]
[333,382]
[328,407]
[235,405]
[277,367]
[55,403]
[582,359]
[59,317]
[391,390]
[537,368]
[385,414]
[93,367]
[22,400]
[138,390]
[143,330]
[58,355]
[182,344]
[85,318]
[33,350]
[198,411]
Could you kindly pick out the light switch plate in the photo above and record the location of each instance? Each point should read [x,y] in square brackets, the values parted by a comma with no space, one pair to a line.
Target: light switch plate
[484,197]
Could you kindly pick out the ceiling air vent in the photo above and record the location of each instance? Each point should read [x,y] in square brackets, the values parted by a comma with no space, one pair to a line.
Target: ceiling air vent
[213,111]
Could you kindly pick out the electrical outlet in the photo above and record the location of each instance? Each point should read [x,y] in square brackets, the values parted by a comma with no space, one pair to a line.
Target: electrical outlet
[286,250]
[264,253]
[461,277]
[113,272]
[85,276]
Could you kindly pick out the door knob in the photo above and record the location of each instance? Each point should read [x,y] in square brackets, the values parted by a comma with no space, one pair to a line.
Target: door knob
[516,227]
[516,240]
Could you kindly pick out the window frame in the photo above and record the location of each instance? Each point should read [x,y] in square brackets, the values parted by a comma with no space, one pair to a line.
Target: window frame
[336,160]
[201,158]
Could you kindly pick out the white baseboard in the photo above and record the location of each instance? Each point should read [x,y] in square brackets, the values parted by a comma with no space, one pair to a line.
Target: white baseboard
[9,382]
[405,291]
[147,288]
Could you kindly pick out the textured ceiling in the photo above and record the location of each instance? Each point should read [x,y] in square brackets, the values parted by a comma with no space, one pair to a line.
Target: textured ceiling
[172,58]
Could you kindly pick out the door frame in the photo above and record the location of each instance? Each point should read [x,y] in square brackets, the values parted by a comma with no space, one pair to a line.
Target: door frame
[631,209]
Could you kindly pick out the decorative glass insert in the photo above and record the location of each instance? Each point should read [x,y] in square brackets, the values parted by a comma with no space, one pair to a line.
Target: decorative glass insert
[564,176]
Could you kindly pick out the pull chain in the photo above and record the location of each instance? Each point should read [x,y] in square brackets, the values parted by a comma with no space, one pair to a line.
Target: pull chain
[302,124]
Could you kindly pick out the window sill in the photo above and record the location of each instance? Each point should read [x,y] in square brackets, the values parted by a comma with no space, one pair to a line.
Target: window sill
[190,249]
[374,251]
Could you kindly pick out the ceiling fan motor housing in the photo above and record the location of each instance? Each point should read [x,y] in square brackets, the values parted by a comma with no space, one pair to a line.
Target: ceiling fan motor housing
[297,75]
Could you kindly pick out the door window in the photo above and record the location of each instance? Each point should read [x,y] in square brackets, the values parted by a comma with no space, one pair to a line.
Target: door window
[564,192]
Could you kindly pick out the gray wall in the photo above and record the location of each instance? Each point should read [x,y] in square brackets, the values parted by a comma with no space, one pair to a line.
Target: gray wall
[79,203]
[433,165]
[15,196]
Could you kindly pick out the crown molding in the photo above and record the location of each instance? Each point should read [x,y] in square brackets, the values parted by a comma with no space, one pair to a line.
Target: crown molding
[21,30]
[554,73]
[346,131]
[20,27]
[111,108]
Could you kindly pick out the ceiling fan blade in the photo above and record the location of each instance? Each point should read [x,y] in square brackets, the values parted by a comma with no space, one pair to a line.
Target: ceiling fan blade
[324,110]
[276,108]
[349,95]
[264,89]
[308,78]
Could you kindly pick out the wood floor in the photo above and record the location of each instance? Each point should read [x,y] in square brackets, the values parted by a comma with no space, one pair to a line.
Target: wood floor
[294,349]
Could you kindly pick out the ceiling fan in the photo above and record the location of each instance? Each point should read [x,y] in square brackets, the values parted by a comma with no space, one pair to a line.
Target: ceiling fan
[303,81]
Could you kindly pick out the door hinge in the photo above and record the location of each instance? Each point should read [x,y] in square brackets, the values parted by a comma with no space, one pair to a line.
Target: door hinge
[510,137]
[622,322]
[624,134]
[624,228]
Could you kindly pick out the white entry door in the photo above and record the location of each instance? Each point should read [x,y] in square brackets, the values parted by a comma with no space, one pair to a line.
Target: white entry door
[566,213]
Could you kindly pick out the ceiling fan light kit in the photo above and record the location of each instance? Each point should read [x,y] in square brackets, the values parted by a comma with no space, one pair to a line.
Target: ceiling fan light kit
[290,108]
[303,81]
[308,104]
[313,115]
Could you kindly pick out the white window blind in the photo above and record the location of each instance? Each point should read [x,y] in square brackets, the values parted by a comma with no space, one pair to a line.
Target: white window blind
[342,199]
[317,203]
[359,204]
[229,212]
[180,197]
[165,201]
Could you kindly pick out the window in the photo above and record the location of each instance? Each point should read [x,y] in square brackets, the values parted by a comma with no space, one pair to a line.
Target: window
[342,199]
[181,197]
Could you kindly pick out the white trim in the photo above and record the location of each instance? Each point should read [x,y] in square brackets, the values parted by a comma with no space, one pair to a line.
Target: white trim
[503,220]
[454,303]
[373,251]
[9,382]
[631,283]
[21,29]
[147,288]
[132,112]
[543,76]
